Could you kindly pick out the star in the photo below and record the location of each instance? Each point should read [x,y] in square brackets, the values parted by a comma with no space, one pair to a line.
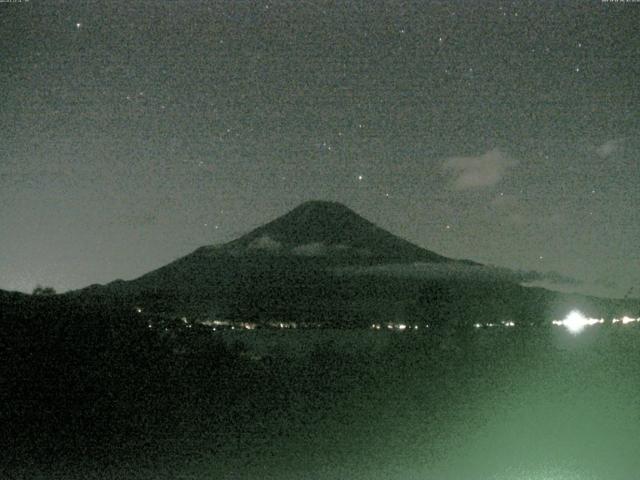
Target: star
[360,177]
[78,25]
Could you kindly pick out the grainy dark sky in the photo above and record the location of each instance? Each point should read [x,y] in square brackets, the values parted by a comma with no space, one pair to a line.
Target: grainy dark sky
[133,132]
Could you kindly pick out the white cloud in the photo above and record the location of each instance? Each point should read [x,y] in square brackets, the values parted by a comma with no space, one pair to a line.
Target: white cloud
[480,171]
[311,249]
[265,242]
[609,147]
[461,271]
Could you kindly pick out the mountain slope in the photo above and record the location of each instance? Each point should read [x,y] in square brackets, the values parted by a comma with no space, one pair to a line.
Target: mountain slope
[290,259]
[323,263]
[314,236]
[319,228]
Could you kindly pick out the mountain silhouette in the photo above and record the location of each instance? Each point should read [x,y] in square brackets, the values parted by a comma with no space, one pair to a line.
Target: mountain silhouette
[329,230]
[323,263]
[314,236]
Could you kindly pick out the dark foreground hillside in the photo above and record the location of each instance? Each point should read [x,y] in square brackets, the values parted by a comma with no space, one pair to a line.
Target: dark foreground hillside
[93,383]
[91,392]
[79,380]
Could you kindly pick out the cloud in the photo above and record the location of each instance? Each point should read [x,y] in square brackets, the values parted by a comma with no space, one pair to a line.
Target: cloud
[462,271]
[311,249]
[318,249]
[526,276]
[264,242]
[609,147]
[480,171]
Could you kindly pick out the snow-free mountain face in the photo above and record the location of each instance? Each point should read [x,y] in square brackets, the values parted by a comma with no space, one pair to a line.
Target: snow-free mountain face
[314,236]
[287,265]
[329,230]
[323,263]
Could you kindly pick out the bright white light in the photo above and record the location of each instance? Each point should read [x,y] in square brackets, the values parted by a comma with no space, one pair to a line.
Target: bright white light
[402,326]
[576,321]
[626,320]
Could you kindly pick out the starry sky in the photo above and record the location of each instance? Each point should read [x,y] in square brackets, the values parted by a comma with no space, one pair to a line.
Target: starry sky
[133,132]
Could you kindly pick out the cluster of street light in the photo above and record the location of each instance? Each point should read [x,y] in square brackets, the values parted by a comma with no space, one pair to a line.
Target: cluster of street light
[576,321]
[401,327]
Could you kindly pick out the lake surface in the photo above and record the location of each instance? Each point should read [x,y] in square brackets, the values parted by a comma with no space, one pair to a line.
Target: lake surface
[502,404]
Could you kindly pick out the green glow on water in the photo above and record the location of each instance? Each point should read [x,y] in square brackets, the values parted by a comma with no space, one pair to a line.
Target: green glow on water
[493,406]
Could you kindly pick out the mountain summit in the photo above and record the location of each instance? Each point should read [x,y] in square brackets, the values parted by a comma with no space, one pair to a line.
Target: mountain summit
[314,235]
[328,229]
[323,263]
[291,267]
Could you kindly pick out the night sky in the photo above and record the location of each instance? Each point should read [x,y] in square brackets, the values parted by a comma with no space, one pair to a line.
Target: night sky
[133,132]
